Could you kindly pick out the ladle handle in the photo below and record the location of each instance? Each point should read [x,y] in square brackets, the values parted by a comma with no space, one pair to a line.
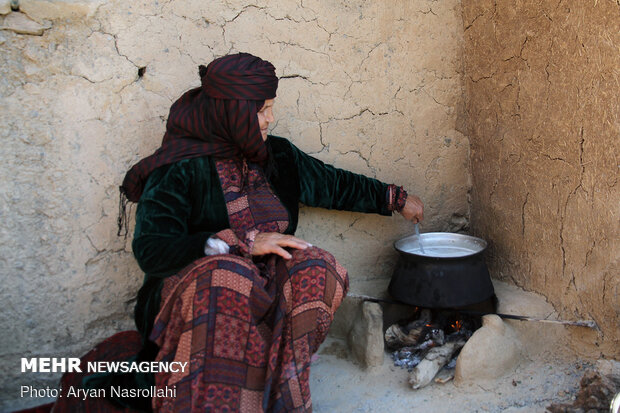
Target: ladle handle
[417,232]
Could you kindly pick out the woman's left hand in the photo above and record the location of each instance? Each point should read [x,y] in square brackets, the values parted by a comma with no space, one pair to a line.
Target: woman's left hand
[413,210]
[274,243]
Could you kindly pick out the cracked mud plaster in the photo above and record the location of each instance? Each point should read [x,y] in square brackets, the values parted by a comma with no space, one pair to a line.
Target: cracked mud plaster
[369,86]
[541,98]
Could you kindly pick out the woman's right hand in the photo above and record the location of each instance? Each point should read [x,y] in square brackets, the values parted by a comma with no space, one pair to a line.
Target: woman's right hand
[273,243]
[413,210]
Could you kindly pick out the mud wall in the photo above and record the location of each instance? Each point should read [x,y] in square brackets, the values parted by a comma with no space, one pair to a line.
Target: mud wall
[85,89]
[542,82]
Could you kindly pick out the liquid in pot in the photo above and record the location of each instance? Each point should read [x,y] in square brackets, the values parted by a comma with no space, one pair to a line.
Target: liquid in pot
[441,245]
[442,251]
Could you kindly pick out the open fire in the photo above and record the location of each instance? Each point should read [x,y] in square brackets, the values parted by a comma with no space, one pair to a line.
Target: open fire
[428,343]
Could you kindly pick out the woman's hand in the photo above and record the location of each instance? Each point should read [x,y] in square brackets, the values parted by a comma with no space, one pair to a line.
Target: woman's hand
[413,210]
[273,243]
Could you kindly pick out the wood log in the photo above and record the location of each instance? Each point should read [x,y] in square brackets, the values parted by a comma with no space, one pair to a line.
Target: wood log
[444,376]
[423,319]
[397,336]
[435,359]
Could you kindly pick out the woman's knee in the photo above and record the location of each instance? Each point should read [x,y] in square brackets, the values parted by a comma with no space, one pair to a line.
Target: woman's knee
[319,257]
[316,271]
[206,266]
[312,253]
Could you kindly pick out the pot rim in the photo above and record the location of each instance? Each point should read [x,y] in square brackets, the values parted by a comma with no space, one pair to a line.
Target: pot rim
[475,244]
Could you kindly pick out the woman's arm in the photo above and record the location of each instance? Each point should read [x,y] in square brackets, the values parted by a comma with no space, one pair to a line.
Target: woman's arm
[328,187]
[163,242]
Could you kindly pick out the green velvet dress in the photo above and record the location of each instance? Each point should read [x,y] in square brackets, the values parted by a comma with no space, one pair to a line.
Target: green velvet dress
[183,205]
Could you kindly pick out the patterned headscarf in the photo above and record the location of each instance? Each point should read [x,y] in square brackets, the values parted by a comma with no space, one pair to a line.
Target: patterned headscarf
[217,119]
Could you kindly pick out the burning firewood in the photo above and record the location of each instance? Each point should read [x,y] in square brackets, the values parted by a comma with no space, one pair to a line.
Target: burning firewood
[397,336]
[428,343]
[411,356]
[435,359]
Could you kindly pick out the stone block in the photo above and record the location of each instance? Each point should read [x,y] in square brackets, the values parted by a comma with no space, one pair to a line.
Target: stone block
[366,336]
[492,351]
[344,318]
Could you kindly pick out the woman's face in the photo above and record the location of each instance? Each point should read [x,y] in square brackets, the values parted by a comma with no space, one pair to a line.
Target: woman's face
[265,117]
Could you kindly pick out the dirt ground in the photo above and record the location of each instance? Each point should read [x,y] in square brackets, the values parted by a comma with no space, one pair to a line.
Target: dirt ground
[338,385]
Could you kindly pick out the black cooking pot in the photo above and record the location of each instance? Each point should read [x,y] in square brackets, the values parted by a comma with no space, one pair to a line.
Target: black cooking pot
[451,272]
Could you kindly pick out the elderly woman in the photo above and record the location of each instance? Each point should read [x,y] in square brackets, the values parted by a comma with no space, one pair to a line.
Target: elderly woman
[228,286]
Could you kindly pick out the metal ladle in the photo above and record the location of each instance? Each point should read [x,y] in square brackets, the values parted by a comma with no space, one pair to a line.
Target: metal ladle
[417,232]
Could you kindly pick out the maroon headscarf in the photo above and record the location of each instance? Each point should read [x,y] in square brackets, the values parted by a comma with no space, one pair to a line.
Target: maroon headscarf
[217,119]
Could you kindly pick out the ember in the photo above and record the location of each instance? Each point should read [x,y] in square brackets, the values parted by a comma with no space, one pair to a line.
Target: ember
[457,325]
[428,342]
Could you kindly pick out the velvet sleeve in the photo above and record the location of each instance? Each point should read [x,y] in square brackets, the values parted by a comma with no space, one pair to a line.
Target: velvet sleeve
[163,242]
[328,187]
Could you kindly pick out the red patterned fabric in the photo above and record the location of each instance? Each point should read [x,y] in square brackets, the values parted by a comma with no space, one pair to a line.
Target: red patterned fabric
[250,202]
[248,328]
[217,119]
[119,347]
[396,198]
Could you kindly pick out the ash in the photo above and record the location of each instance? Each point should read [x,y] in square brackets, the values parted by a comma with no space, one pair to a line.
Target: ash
[410,356]
[412,340]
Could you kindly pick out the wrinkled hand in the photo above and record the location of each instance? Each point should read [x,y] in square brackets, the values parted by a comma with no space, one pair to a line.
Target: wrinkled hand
[413,210]
[273,243]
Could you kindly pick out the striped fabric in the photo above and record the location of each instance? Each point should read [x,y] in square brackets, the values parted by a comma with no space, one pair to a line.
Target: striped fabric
[217,119]
[240,76]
